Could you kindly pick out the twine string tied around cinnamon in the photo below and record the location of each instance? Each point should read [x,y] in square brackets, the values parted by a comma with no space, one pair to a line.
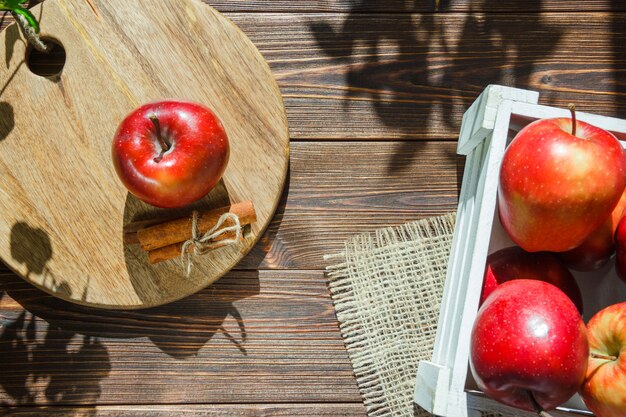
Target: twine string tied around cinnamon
[202,244]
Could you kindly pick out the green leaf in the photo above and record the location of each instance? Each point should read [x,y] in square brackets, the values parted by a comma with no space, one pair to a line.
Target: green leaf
[30,18]
[14,6]
[10,4]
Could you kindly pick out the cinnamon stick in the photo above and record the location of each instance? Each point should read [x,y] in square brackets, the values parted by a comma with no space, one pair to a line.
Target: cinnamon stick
[130,229]
[174,251]
[142,224]
[179,230]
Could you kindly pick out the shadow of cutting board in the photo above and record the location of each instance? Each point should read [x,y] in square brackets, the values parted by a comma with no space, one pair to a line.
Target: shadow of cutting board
[62,206]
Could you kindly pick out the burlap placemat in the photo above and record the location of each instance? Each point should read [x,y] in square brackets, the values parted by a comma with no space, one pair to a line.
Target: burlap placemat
[387,287]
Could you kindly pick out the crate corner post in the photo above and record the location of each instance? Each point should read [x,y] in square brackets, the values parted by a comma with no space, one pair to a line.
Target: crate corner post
[479,119]
[431,388]
[440,381]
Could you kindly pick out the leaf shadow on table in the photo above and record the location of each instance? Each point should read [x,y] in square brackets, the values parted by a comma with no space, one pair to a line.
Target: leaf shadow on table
[55,352]
[28,375]
[7,113]
[420,72]
[7,120]
[31,246]
[505,49]
[179,329]
[385,59]
[11,36]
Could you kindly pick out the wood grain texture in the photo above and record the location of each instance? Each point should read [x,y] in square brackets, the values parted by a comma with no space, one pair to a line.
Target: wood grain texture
[238,410]
[365,73]
[402,6]
[337,189]
[63,205]
[415,6]
[252,337]
[411,76]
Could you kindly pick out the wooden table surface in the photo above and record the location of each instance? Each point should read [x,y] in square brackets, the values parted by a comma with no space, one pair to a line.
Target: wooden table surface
[374,90]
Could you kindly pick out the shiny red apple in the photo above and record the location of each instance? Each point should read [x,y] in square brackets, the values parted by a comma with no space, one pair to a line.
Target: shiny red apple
[620,249]
[559,181]
[170,153]
[599,246]
[515,263]
[529,346]
[604,389]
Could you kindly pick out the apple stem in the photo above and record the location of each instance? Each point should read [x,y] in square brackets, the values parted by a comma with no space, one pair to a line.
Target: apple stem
[572,109]
[538,409]
[164,145]
[601,356]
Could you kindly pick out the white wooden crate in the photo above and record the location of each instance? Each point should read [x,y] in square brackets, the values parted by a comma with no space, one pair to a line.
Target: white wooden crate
[444,384]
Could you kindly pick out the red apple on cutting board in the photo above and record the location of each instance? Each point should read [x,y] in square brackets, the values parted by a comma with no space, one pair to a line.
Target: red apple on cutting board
[604,389]
[559,181]
[599,246]
[529,346]
[515,263]
[170,153]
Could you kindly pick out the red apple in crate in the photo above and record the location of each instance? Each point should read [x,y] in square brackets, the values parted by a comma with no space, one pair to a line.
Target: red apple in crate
[515,263]
[604,389]
[599,246]
[529,346]
[620,249]
[170,153]
[559,181]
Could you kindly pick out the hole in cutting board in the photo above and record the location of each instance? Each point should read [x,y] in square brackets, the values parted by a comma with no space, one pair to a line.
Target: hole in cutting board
[46,64]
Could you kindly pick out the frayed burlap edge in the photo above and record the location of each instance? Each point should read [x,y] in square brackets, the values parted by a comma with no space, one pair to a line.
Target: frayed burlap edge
[387,287]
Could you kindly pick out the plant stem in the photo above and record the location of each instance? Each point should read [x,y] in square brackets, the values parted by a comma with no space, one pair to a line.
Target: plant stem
[30,18]
[572,109]
[601,356]
[538,409]
[164,145]
[30,32]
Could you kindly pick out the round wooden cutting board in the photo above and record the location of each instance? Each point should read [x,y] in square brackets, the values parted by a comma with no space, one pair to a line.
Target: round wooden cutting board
[62,207]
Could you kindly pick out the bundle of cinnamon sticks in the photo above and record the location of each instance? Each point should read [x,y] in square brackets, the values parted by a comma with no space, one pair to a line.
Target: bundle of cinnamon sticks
[164,240]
